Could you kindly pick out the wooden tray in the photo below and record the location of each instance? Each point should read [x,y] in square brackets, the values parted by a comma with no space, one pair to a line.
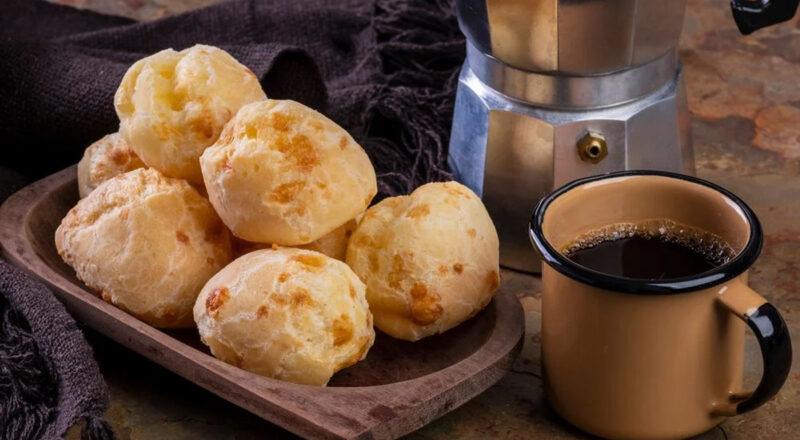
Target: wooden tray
[398,388]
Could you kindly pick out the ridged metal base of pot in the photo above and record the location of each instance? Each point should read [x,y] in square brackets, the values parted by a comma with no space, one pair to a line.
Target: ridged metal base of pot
[512,153]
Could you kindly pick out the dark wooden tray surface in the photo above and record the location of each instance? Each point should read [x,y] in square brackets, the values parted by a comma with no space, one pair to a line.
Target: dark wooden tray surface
[398,388]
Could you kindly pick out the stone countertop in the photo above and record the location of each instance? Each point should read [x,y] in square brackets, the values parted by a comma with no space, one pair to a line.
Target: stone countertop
[744,97]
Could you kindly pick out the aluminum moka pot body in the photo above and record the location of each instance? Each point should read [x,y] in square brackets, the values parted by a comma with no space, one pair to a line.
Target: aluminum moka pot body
[555,90]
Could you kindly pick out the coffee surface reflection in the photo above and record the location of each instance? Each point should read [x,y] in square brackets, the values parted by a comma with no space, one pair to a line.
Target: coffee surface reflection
[652,250]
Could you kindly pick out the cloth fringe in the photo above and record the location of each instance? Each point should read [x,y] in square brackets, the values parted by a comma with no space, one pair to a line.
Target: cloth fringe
[48,379]
[421,49]
[97,429]
[28,386]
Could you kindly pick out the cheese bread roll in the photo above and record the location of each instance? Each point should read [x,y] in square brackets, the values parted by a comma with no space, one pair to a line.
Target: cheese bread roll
[288,314]
[147,244]
[430,260]
[172,105]
[108,157]
[283,173]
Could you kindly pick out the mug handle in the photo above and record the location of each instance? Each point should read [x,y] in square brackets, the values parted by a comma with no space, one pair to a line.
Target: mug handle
[773,338]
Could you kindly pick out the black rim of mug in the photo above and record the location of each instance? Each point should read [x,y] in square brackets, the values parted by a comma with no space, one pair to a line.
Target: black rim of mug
[718,275]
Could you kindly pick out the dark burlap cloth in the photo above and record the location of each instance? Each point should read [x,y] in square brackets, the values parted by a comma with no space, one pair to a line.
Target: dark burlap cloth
[383,69]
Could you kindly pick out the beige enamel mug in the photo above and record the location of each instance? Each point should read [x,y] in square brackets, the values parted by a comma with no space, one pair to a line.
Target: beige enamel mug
[652,359]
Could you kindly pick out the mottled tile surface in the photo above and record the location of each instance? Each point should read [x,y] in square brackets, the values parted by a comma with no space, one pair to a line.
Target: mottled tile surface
[138,9]
[744,96]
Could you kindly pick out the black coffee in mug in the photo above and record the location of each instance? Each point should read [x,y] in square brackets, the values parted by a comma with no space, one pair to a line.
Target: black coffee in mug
[654,250]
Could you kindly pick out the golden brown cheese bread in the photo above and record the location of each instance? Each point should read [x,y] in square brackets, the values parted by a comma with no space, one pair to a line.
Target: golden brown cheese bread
[147,244]
[289,314]
[108,157]
[283,173]
[430,260]
[172,105]
[332,244]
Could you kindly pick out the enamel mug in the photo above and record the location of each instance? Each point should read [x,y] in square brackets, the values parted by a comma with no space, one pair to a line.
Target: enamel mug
[652,359]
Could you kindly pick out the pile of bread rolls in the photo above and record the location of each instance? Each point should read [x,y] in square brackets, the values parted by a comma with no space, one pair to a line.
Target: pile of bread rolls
[249,218]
